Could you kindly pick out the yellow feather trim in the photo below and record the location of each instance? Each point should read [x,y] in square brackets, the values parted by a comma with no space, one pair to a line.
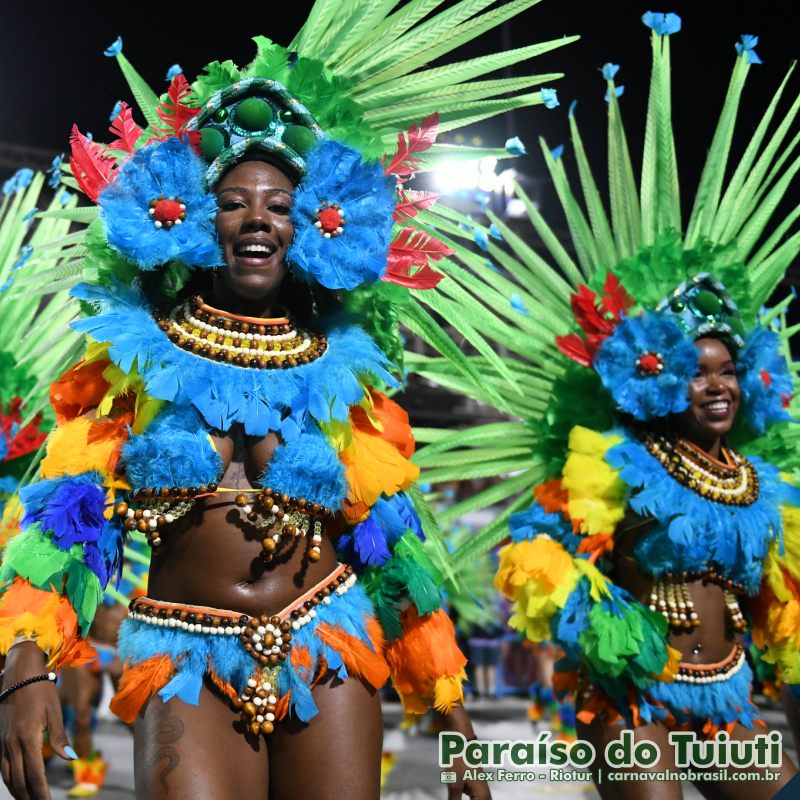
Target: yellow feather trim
[596,494]
[448,692]
[70,453]
[10,521]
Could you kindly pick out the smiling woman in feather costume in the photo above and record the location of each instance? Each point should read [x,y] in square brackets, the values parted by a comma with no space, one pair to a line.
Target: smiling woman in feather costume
[227,411]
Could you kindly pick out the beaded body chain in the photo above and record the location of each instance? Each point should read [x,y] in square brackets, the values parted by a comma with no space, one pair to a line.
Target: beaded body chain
[150,510]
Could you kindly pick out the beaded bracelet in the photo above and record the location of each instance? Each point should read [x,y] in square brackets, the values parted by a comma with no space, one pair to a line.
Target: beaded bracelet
[50,676]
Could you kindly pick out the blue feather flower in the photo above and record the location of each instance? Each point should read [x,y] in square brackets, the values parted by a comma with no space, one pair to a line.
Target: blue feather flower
[71,508]
[169,169]
[609,70]
[647,364]
[342,215]
[765,380]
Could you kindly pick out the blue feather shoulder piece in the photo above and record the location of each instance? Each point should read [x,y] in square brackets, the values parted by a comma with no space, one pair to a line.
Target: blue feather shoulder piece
[225,394]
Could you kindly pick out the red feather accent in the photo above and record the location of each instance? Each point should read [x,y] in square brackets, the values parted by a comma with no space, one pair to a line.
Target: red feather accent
[175,113]
[423,278]
[21,441]
[91,166]
[418,246]
[125,129]
[597,319]
[412,202]
[420,138]
[615,298]
[575,348]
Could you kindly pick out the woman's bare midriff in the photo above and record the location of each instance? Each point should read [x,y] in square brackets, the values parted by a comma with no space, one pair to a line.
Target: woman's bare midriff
[709,643]
[212,557]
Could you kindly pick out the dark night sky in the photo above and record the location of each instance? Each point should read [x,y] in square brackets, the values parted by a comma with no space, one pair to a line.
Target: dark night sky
[53,70]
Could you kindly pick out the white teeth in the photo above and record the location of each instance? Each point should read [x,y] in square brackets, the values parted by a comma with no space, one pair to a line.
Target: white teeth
[256,248]
[723,406]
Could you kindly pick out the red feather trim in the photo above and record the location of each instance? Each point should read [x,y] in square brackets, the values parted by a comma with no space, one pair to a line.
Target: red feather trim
[125,129]
[91,166]
[412,202]
[615,298]
[420,138]
[414,246]
[575,348]
[176,112]
[21,441]
[597,319]
[423,278]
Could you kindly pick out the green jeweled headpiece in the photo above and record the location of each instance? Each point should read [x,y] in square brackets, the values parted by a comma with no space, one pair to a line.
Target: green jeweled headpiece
[701,307]
[250,115]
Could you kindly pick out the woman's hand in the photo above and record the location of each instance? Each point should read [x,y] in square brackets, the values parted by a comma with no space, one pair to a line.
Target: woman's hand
[24,716]
[458,721]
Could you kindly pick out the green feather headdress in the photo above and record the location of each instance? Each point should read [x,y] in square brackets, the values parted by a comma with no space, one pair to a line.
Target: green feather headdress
[733,231]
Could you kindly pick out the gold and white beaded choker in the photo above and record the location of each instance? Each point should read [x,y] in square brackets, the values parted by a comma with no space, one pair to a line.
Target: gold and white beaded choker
[733,483]
[255,342]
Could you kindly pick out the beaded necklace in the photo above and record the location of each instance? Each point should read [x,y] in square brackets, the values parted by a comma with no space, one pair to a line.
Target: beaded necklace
[254,342]
[732,483]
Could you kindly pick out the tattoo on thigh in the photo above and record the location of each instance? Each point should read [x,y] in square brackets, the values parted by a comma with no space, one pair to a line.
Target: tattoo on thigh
[169,730]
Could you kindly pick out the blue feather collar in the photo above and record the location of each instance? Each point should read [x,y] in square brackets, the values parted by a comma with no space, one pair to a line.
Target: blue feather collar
[225,394]
[692,532]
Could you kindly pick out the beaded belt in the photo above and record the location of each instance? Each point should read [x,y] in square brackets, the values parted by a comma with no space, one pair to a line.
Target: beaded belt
[712,673]
[267,639]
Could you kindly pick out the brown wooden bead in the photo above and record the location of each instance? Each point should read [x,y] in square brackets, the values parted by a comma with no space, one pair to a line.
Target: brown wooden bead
[269,545]
[266,726]
[138,514]
[269,640]
[237,703]
[142,526]
[255,728]
[130,524]
[121,509]
[249,708]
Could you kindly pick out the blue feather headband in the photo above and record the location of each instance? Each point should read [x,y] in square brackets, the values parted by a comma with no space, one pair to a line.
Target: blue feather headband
[226,394]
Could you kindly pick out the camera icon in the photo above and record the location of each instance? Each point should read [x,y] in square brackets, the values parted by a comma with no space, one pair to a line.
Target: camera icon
[449,777]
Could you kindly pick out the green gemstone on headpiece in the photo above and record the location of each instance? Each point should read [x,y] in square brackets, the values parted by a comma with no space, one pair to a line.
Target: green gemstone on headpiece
[737,326]
[676,304]
[286,115]
[221,114]
[299,138]
[212,142]
[707,303]
[253,114]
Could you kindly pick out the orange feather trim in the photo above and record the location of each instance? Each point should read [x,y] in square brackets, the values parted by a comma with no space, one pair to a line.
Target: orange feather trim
[78,390]
[47,616]
[426,652]
[301,661]
[552,496]
[393,425]
[222,686]
[282,706]
[139,683]
[360,660]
